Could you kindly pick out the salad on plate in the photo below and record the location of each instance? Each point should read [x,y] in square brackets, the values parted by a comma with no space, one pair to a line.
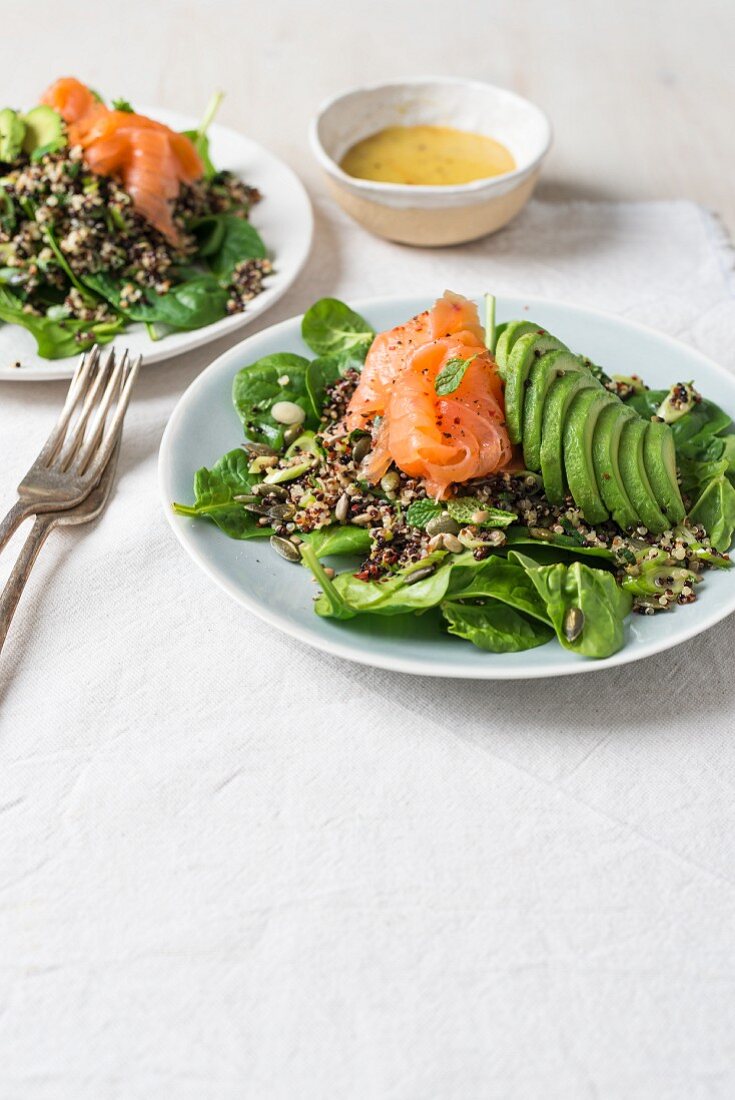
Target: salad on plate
[483,474]
[108,217]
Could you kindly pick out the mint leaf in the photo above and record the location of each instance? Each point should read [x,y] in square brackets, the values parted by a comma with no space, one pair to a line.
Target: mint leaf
[450,376]
[420,512]
[123,105]
[463,509]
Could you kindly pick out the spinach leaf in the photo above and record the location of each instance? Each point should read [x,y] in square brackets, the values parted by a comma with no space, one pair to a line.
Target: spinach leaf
[339,540]
[57,339]
[522,536]
[715,510]
[505,581]
[320,373]
[495,627]
[450,376]
[393,596]
[694,428]
[330,603]
[194,303]
[256,389]
[214,497]
[225,240]
[330,327]
[420,512]
[594,592]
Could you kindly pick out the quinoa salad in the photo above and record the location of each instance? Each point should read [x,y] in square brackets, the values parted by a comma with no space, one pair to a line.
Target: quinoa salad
[590,496]
[88,244]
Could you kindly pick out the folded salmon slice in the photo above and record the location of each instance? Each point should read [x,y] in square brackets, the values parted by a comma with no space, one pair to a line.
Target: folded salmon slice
[150,160]
[442,440]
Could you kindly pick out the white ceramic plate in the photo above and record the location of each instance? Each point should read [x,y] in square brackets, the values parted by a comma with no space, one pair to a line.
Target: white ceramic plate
[283,218]
[204,425]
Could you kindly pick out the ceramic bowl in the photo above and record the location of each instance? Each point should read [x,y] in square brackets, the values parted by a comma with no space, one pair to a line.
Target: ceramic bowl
[431,215]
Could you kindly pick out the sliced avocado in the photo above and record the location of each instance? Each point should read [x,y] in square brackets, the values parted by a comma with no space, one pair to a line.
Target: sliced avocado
[605,459]
[526,350]
[512,332]
[579,429]
[12,130]
[635,478]
[544,373]
[556,410]
[44,130]
[659,457]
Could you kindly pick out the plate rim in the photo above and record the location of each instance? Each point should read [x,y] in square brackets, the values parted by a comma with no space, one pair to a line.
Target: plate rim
[63,369]
[629,654]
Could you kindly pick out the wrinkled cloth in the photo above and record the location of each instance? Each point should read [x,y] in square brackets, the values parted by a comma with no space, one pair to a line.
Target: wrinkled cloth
[231,866]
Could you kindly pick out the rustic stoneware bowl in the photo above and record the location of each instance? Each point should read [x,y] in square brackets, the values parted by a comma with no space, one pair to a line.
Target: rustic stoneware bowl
[423,215]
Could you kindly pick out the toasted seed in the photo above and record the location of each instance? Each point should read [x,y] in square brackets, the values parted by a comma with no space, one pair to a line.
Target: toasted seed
[296,540]
[573,623]
[257,509]
[452,544]
[437,542]
[496,538]
[342,508]
[361,449]
[288,412]
[292,434]
[420,574]
[256,449]
[479,516]
[285,548]
[363,520]
[280,513]
[329,571]
[442,525]
[267,489]
[390,482]
[245,498]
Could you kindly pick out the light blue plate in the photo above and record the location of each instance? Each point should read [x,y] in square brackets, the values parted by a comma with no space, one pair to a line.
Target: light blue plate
[204,425]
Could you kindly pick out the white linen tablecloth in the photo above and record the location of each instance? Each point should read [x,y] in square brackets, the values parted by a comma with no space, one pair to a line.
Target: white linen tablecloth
[231,867]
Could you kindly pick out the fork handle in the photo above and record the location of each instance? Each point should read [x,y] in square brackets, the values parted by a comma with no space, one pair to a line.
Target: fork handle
[21,510]
[22,570]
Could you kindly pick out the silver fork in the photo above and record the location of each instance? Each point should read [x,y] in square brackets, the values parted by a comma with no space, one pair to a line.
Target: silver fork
[78,449]
[89,509]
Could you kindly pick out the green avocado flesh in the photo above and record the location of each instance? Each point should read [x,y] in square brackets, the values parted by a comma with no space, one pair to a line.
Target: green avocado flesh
[579,430]
[512,332]
[544,373]
[659,457]
[605,450]
[635,478]
[526,350]
[12,131]
[556,410]
[43,129]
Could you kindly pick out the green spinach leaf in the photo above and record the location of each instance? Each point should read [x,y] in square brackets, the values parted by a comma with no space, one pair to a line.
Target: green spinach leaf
[495,627]
[57,338]
[339,540]
[330,327]
[225,240]
[191,304]
[715,510]
[257,387]
[214,497]
[505,581]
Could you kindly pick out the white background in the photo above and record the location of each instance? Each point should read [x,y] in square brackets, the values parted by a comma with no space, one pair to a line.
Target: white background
[232,868]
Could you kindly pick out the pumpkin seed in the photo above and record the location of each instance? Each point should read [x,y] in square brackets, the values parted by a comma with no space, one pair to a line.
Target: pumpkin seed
[361,449]
[257,509]
[442,525]
[285,548]
[342,508]
[256,449]
[266,489]
[288,412]
[280,513]
[421,574]
[390,482]
[573,623]
[292,434]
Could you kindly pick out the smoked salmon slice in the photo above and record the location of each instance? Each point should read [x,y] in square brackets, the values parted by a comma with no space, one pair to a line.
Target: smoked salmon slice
[150,160]
[443,440]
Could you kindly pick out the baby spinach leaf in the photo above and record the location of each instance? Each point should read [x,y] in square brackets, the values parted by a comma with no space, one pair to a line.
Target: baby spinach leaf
[546,541]
[256,389]
[225,240]
[330,604]
[420,512]
[594,592]
[330,327]
[339,540]
[450,376]
[715,510]
[214,497]
[506,581]
[394,596]
[191,304]
[694,428]
[320,374]
[57,338]
[495,627]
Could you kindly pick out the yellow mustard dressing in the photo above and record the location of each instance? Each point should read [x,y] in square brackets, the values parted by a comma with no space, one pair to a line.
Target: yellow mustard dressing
[426,155]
